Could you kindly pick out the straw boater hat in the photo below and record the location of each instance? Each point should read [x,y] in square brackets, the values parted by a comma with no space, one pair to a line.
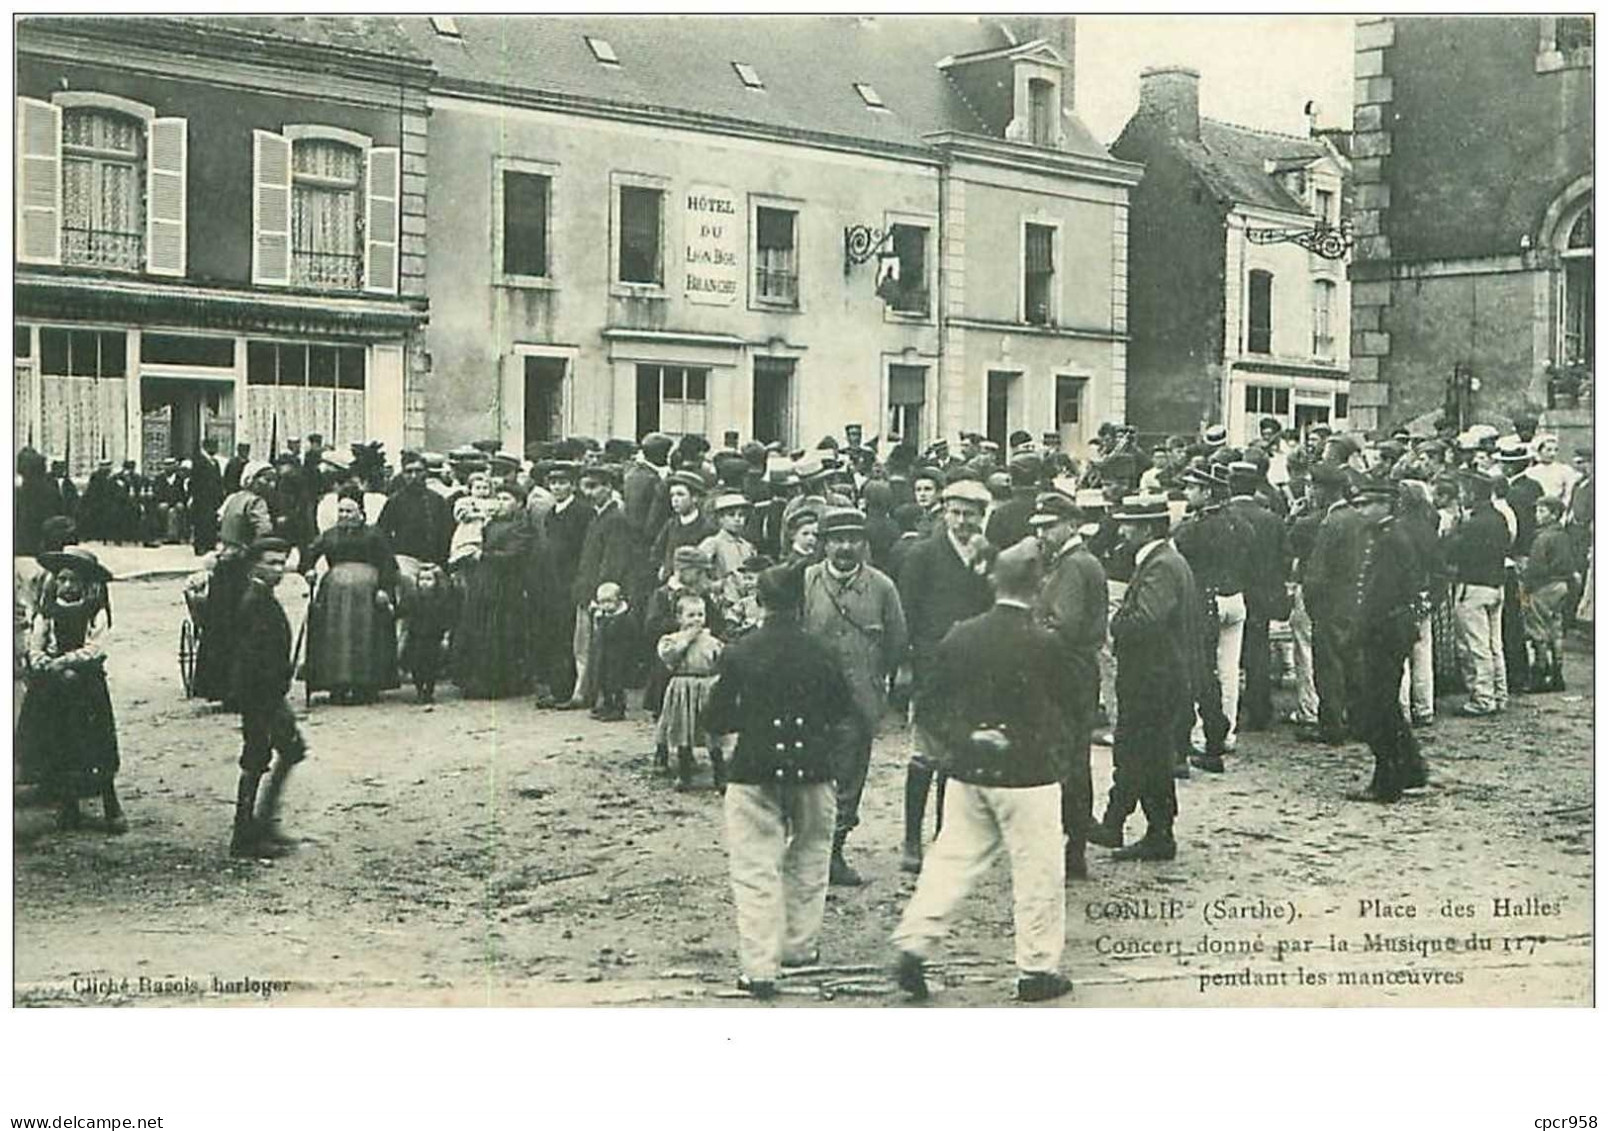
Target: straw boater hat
[730,502]
[1143,508]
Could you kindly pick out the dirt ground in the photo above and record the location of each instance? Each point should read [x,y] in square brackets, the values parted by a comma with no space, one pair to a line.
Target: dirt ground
[495,854]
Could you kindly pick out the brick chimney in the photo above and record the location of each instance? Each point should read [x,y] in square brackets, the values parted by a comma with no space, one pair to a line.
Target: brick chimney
[1171,97]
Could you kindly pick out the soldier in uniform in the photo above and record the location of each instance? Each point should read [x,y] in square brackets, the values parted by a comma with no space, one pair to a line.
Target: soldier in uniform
[261,676]
[1072,605]
[1159,635]
[944,580]
[781,692]
[1216,545]
[1387,599]
[853,608]
[993,704]
[1328,572]
[1266,598]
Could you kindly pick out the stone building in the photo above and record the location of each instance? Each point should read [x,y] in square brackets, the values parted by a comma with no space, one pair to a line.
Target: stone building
[214,223]
[1473,162]
[1226,329]
[767,226]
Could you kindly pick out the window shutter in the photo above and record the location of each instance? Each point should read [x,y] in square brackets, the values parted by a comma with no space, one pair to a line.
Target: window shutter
[38,181]
[270,208]
[167,159]
[384,194]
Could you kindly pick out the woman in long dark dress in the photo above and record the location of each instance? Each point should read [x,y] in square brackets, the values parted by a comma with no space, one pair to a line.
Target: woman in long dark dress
[491,644]
[66,732]
[351,632]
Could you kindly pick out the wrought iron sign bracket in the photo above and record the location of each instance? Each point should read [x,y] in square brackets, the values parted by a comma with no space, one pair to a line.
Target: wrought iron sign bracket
[1321,239]
[863,243]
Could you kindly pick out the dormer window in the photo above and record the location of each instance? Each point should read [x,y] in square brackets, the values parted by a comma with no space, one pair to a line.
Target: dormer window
[1323,202]
[1041,112]
[868,94]
[602,51]
[749,76]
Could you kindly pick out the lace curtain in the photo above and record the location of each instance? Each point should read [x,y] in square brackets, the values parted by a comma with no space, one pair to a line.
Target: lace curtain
[82,421]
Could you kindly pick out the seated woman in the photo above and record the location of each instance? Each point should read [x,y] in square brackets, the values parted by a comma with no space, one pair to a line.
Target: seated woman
[491,643]
[351,634]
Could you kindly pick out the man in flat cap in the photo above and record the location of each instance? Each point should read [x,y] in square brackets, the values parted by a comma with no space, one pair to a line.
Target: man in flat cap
[1158,634]
[261,670]
[854,609]
[944,581]
[993,705]
[1072,605]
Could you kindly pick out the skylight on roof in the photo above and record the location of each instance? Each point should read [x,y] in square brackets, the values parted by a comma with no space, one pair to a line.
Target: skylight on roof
[603,50]
[749,76]
[869,95]
[447,26]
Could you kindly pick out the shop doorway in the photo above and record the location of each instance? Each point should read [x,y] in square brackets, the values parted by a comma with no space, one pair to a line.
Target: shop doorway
[773,400]
[178,414]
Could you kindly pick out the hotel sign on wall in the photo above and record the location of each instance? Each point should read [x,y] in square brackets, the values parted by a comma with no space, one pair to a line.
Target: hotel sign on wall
[714,253]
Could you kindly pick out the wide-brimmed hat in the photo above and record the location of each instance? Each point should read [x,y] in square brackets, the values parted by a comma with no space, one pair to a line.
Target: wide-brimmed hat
[1511,449]
[842,520]
[1143,508]
[1215,436]
[81,561]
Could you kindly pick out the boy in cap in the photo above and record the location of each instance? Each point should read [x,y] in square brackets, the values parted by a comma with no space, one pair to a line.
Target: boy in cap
[262,671]
[727,548]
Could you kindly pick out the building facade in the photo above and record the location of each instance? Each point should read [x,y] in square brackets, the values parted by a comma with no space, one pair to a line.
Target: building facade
[768,227]
[1474,217]
[216,235]
[1227,328]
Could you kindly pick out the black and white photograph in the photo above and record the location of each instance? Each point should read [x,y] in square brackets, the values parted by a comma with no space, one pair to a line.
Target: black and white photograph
[816,511]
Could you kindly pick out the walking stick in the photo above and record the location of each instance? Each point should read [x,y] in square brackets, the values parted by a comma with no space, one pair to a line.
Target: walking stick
[295,653]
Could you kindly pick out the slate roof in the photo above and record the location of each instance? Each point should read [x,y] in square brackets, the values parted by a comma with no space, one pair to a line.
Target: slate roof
[1232,160]
[808,64]
[362,35]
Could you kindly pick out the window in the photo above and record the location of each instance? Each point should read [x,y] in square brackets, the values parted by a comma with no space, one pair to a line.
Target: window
[1323,205]
[907,292]
[186,349]
[773,400]
[326,248]
[1259,313]
[299,387]
[1265,400]
[602,51]
[1038,275]
[749,76]
[1565,43]
[907,396]
[999,414]
[103,200]
[673,399]
[776,256]
[1323,318]
[868,94]
[1578,330]
[641,227]
[1342,405]
[21,341]
[1041,112]
[525,216]
[1573,33]
[83,399]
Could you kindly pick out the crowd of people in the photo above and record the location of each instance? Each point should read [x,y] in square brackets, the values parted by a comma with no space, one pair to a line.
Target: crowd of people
[1013,603]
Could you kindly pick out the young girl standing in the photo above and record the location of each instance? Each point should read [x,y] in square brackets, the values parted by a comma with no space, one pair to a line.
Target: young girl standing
[690,653]
[66,733]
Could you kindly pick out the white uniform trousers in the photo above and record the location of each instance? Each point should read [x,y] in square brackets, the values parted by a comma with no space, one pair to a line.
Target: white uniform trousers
[1306,689]
[979,821]
[779,843]
[1418,680]
[1479,624]
[1230,643]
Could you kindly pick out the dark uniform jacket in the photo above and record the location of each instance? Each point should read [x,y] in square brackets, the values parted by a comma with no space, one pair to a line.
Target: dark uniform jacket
[998,671]
[938,589]
[781,691]
[1477,547]
[1267,562]
[1216,544]
[1388,595]
[562,534]
[420,524]
[1334,564]
[261,669]
[1522,495]
[1008,524]
[1158,634]
[1073,605]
